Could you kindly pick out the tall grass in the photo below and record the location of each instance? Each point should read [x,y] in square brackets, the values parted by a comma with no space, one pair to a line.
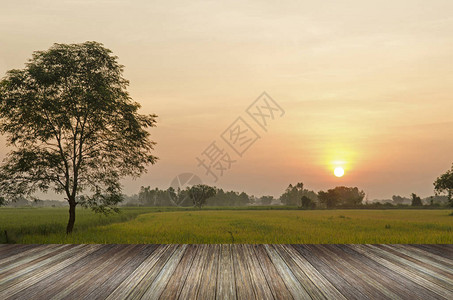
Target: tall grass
[173,225]
[20,222]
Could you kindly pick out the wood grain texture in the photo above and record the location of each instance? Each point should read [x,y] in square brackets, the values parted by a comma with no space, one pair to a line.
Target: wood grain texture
[178,278]
[226,284]
[244,285]
[285,272]
[193,280]
[226,271]
[207,289]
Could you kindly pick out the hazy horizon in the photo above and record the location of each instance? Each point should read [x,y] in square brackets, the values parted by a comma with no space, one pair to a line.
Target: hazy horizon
[368,85]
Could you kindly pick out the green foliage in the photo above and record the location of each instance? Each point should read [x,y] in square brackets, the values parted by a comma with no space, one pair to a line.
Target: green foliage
[179,197]
[157,197]
[22,222]
[398,200]
[200,193]
[341,196]
[228,198]
[416,200]
[293,195]
[73,126]
[307,203]
[266,200]
[444,184]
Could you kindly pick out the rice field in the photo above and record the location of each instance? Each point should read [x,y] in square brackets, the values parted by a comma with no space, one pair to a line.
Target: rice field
[174,225]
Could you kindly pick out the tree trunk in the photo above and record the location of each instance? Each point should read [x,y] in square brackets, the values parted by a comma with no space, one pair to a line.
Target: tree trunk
[72,206]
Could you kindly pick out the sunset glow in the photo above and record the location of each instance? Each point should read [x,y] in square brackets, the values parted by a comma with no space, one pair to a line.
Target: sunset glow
[339,171]
[365,86]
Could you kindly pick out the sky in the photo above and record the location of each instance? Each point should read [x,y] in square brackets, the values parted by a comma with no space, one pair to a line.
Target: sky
[365,85]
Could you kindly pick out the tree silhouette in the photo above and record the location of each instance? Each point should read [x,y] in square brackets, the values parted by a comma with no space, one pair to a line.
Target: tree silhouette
[444,184]
[200,193]
[266,200]
[74,127]
[416,200]
[341,196]
[307,203]
[293,194]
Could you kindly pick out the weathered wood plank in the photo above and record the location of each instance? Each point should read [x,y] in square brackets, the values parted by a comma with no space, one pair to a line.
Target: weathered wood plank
[418,267]
[244,285]
[329,271]
[360,272]
[11,252]
[118,275]
[304,280]
[178,278]
[445,269]
[193,280]
[65,277]
[73,256]
[78,284]
[402,269]
[130,283]
[318,280]
[207,289]
[274,280]
[26,270]
[158,285]
[365,285]
[425,253]
[23,275]
[260,284]
[29,257]
[391,279]
[435,249]
[226,272]
[226,282]
[108,270]
[295,288]
[141,288]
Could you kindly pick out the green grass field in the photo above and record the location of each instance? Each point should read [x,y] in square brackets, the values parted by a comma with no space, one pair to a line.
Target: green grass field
[175,225]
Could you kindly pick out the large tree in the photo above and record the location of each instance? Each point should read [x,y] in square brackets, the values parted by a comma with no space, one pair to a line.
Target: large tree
[416,200]
[200,193]
[73,126]
[293,194]
[341,196]
[444,184]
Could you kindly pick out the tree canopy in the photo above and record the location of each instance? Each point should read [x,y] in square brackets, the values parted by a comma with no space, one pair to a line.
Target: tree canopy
[444,184]
[307,203]
[341,196]
[416,200]
[73,126]
[293,194]
[200,193]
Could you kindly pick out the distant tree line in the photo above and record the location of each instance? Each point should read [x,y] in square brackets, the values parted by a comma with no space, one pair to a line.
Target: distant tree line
[182,197]
[21,201]
[294,195]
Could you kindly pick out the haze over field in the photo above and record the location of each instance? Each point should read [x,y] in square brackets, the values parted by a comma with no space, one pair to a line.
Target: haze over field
[368,86]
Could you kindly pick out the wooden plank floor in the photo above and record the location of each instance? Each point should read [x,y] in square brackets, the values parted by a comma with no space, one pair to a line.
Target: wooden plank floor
[226,271]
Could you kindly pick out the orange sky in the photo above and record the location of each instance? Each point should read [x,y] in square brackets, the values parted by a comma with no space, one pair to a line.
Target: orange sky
[367,84]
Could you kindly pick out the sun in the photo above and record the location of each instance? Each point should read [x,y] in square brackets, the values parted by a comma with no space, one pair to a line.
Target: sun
[339,171]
